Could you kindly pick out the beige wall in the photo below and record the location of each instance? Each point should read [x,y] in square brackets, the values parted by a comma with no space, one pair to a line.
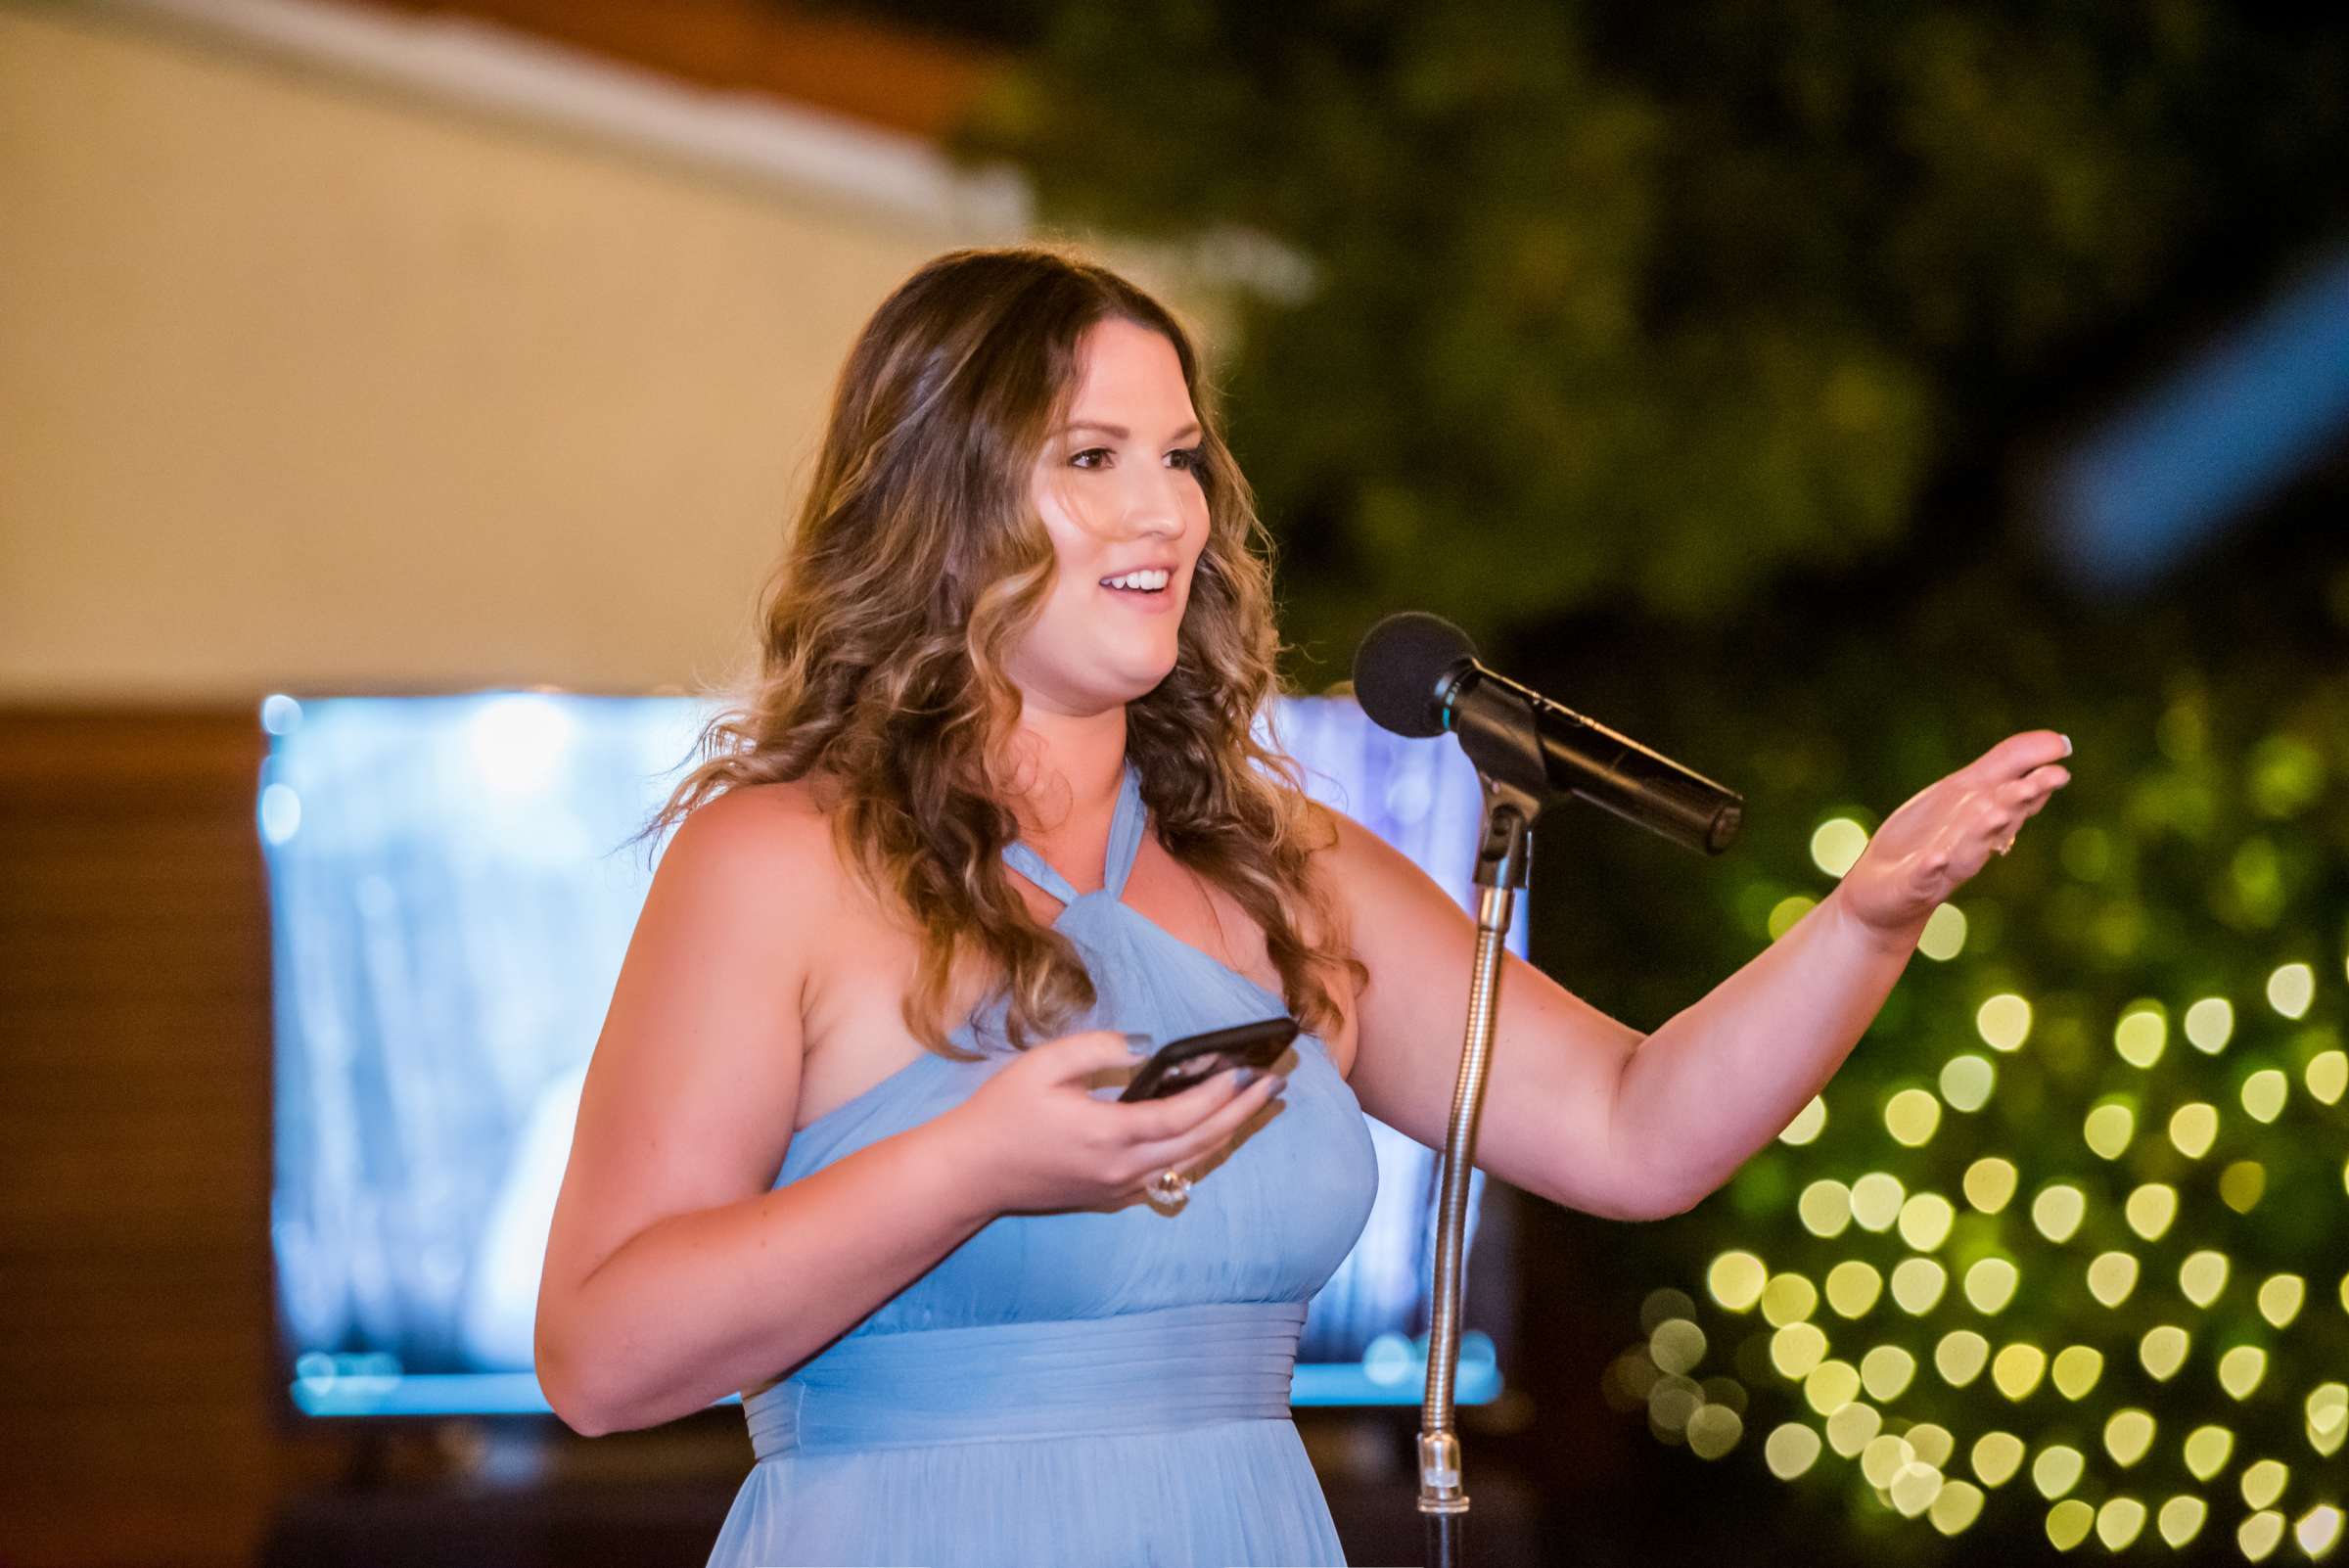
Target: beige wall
[313,385]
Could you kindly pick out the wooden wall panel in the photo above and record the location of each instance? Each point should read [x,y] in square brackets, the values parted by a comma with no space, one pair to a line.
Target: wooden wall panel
[134,1310]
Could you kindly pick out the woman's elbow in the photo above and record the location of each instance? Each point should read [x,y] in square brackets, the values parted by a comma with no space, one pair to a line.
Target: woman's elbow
[574,1403]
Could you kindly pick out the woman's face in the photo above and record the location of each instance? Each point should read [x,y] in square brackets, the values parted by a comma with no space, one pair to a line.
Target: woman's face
[1117,489]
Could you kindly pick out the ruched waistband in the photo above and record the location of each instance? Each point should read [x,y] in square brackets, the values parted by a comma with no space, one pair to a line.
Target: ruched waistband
[1134,1373]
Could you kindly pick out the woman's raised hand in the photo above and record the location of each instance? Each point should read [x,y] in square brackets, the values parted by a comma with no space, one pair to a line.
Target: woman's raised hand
[1948,831]
[1036,1138]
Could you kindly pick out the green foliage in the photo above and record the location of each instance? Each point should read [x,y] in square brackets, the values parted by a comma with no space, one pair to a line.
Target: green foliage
[1648,304]
[2181,945]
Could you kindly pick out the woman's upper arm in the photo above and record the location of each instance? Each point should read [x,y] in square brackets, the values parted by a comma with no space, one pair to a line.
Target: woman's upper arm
[691,1092]
[1549,1087]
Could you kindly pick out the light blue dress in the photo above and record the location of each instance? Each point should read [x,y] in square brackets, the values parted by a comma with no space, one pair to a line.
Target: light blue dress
[1079,1388]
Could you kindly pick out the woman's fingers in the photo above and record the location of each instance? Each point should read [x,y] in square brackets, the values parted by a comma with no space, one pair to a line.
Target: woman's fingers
[2019,753]
[1211,1132]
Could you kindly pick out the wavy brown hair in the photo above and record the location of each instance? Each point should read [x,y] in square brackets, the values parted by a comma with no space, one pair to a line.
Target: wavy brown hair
[916,564]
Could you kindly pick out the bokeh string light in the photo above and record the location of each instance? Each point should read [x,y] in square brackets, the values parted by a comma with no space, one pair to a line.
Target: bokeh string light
[2068,1238]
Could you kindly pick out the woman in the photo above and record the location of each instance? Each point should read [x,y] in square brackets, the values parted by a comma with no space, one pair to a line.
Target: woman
[850,1141]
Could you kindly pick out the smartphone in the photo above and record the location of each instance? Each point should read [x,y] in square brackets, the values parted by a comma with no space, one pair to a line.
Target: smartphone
[1178,1064]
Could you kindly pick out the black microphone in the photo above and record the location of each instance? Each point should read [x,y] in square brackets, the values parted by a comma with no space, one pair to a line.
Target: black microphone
[1417,675]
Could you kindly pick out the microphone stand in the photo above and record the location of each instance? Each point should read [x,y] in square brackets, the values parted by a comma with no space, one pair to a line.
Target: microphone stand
[1501,856]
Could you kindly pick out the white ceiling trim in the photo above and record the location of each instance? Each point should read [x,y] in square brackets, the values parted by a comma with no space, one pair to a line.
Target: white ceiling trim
[484,67]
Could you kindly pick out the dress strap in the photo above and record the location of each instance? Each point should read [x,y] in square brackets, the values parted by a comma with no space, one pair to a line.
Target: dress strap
[1124,834]
[1126,825]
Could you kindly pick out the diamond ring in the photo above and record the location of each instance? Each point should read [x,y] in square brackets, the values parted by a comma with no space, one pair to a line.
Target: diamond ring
[1171,1187]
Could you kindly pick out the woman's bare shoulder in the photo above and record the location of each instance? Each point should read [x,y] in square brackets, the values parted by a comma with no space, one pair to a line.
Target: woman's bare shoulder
[786,819]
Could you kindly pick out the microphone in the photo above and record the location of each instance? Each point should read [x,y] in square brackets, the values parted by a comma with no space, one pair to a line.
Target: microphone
[1417,675]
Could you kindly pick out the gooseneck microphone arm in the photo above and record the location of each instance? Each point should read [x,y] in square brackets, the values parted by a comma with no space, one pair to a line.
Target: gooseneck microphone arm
[1418,675]
[1514,732]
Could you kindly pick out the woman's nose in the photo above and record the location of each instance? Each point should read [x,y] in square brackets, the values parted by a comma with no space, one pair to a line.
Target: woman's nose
[1154,501]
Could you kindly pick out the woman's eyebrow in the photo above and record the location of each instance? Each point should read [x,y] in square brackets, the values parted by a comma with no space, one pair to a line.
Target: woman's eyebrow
[1119,433]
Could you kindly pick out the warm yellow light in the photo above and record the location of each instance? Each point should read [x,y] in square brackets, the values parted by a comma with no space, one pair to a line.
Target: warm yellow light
[1714,1430]
[2291,989]
[2108,1129]
[2181,1519]
[1944,936]
[2142,1032]
[1913,1488]
[2260,1535]
[2327,1412]
[1808,1123]
[2004,1022]
[1967,1081]
[2210,1024]
[2111,1276]
[1911,1116]
[1791,1450]
[1958,1506]
[1788,1298]
[1960,1356]
[2119,1521]
[1796,1350]
[2150,1209]
[1989,1284]
[2193,1128]
[2075,1371]
[1676,1344]
[2163,1351]
[1850,1429]
[1917,1284]
[1885,1372]
[2202,1276]
[2127,1436]
[1831,1385]
[1876,1200]
[2241,1368]
[2057,1470]
[2206,1450]
[2264,1093]
[1735,1281]
[2069,1522]
[1995,1456]
[1933,1444]
[2326,1076]
[2058,1210]
[2242,1184]
[2280,1297]
[1852,1287]
[1925,1221]
[2017,1369]
[1673,1400]
[1787,913]
[1838,843]
[1825,1207]
[2319,1530]
[1884,1454]
[2264,1482]
[1989,1183]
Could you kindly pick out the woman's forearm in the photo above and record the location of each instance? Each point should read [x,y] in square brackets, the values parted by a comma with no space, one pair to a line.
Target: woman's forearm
[709,1303]
[1722,1076]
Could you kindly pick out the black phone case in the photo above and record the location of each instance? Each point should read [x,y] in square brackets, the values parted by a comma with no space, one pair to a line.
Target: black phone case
[1178,1064]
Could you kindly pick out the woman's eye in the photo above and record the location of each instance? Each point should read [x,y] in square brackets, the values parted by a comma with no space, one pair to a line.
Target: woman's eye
[1081,459]
[1186,457]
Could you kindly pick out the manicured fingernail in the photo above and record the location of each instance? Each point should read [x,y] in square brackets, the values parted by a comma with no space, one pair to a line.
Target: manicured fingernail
[1141,1045]
[1280,1080]
[2068,746]
[1242,1077]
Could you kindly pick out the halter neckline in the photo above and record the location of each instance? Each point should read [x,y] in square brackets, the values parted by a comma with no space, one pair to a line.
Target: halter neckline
[1126,825]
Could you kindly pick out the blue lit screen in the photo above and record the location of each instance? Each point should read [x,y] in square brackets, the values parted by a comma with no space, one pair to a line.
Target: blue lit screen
[451,892]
